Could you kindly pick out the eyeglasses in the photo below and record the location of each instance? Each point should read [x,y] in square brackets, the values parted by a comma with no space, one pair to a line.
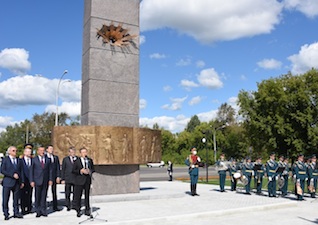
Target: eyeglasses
[13,150]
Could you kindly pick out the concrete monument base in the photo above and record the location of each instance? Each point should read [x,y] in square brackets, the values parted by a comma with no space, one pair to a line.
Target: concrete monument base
[115,179]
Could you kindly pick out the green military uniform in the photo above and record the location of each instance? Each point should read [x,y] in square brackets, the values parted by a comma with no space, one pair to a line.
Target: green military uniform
[258,176]
[222,168]
[271,166]
[193,163]
[232,170]
[285,175]
[312,177]
[248,172]
[300,174]
[280,173]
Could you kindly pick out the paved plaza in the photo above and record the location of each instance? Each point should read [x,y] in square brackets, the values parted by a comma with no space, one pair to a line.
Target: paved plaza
[170,203]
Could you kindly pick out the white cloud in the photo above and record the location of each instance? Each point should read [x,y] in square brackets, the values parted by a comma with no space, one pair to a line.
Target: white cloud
[307,7]
[243,77]
[211,20]
[188,84]
[142,39]
[209,78]
[184,62]
[306,59]
[167,88]
[72,109]
[195,100]
[200,63]
[232,101]
[36,90]
[16,60]
[5,121]
[215,101]
[173,124]
[142,103]
[175,105]
[208,116]
[269,64]
[157,56]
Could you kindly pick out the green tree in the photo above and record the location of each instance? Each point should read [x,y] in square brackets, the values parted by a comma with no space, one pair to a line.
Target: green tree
[156,126]
[14,135]
[226,114]
[282,114]
[36,131]
[193,123]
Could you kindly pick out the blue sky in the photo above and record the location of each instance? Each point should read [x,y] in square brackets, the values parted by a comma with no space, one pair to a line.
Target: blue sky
[194,54]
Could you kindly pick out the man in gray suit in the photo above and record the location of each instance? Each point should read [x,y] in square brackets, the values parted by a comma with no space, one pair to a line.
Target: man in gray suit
[68,176]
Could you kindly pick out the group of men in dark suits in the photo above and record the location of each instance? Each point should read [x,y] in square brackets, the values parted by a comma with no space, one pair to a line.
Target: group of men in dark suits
[22,175]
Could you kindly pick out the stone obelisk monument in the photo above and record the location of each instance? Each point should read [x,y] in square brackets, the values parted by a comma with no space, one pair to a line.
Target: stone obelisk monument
[110,100]
[110,83]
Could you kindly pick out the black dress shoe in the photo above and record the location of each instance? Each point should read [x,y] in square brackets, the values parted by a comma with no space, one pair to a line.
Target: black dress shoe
[68,208]
[78,214]
[38,215]
[18,216]
[44,214]
[56,209]
[6,217]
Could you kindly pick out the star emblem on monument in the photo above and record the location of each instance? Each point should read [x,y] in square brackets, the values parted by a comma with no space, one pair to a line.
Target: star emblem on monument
[115,35]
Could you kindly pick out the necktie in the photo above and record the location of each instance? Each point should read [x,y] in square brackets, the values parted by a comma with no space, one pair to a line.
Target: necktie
[42,162]
[28,162]
[14,162]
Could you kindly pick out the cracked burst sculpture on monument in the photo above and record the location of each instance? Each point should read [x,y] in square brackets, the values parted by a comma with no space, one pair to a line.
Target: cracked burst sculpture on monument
[110,99]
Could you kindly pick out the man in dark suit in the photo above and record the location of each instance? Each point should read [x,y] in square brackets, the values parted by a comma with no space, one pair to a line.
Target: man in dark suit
[40,178]
[26,192]
[83,169]
[68,176]
[56,174]
[12,181]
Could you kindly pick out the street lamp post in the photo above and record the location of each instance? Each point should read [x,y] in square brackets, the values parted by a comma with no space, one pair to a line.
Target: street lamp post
[57,98]
[214,139]
[207,158]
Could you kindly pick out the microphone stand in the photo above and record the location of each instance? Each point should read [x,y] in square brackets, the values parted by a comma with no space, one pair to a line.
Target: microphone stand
[91,217]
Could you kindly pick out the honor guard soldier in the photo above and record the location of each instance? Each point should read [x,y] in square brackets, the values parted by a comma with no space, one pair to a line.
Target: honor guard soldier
[248,173]
[313,176]
[170,170]
[193,163]
[281,168]
[233,168]
[222,168]
[271,167]
[259,171]
[300,175]
[307,161]
[285,176]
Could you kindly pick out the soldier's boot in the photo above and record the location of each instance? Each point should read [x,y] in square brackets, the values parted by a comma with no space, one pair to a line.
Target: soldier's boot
[195,190]
[192,191]
[313,195]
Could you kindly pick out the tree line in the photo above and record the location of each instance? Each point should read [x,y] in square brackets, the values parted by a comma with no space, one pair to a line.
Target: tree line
[281,116]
